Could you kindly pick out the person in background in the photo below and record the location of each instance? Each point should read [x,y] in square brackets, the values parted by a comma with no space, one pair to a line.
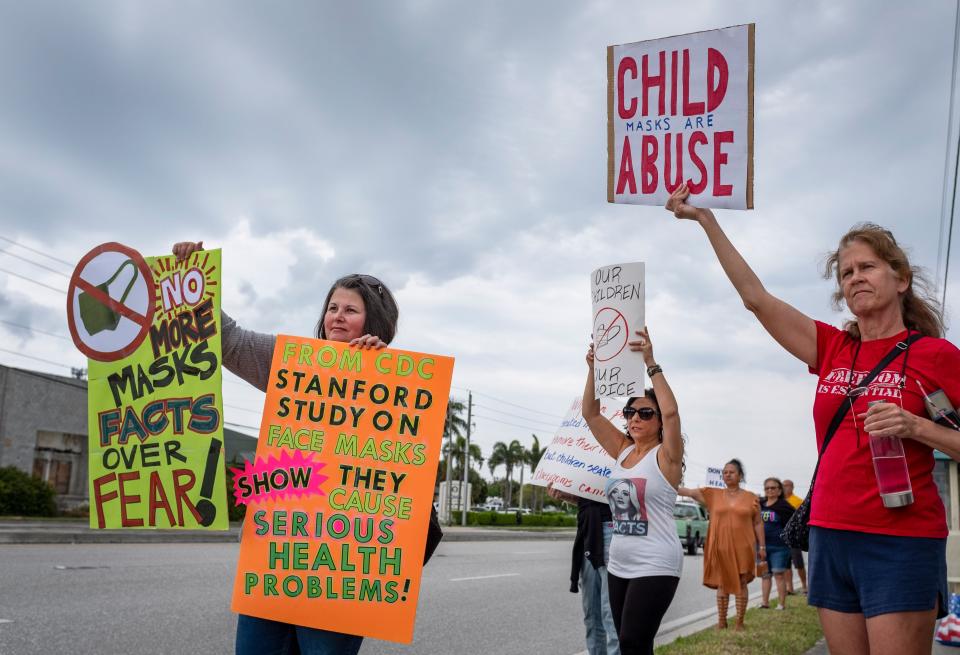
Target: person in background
[796,555]
[734,538]
[588,575]
[775,511]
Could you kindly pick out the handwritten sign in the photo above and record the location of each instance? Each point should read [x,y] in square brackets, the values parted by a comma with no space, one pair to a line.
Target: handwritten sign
[715,478]
[573,461]
[618,302]
[340,492]
[681,109]
[151,328]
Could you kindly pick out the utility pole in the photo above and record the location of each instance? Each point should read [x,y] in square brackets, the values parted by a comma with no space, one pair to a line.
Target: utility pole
[465,484]
[447,516]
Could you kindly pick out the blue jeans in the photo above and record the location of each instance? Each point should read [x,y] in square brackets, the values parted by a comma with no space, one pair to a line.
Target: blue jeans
[256,636]
[597,617]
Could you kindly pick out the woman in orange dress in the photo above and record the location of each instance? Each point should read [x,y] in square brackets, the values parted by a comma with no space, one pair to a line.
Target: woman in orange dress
[730,557]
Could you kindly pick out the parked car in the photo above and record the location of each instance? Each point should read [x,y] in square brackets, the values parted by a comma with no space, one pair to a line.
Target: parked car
[692,523]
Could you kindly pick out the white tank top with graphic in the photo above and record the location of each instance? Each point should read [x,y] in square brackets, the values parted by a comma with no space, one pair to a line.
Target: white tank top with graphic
[645,541]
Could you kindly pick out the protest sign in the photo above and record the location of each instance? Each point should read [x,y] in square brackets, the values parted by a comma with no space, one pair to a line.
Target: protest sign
[680,109]
[573,461]
[618,301]
[339,496]
[151,328]
[715,478]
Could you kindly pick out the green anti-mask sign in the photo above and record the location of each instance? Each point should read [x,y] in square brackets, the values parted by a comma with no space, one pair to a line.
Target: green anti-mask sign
[151,330]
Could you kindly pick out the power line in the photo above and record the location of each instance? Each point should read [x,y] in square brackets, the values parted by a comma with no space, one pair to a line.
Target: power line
[523,427]
[27,327]
[524,418]
[24,277]
[39,359]
[39,252]
[951,128]
[30,261]
[507,402]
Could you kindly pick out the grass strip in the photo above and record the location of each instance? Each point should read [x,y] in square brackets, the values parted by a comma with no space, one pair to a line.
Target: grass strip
[790,632]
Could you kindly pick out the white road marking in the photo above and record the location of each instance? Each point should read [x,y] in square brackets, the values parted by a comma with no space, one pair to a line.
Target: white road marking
[485,577]
[6,620]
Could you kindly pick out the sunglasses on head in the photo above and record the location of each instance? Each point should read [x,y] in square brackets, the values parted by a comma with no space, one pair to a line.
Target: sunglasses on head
[371,282]
[645,413]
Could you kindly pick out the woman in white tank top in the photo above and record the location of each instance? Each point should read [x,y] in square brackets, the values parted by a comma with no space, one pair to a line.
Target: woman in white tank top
[645,555]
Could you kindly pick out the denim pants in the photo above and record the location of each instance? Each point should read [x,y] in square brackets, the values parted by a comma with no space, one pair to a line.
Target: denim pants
[597,617]
[256,636]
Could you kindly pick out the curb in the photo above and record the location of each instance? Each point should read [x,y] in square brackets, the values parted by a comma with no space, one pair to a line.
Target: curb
[79,533]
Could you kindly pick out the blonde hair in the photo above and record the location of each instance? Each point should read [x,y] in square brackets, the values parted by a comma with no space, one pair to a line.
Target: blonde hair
[918,306]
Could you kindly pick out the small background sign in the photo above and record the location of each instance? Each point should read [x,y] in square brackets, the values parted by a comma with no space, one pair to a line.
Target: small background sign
[618,300]
[715,478]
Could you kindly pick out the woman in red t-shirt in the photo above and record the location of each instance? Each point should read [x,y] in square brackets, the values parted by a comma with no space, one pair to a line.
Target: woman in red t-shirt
[876,574]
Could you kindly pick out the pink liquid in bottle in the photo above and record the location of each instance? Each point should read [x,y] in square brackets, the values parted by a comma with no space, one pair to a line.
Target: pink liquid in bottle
[890,466]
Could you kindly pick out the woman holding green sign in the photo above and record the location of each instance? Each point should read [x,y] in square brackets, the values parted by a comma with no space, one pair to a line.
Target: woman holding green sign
[361,311]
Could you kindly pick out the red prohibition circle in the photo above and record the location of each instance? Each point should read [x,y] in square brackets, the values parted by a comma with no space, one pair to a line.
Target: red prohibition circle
[626,330]
[145,321]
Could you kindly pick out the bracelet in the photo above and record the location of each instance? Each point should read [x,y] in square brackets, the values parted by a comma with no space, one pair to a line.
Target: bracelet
[653,370]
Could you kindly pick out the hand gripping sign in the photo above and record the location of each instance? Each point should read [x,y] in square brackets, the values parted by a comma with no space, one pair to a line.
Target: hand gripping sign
[340,493]
[680,109]
[151,330]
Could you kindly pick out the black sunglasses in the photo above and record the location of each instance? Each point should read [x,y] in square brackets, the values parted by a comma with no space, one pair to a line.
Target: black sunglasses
[371,282]
[645,413]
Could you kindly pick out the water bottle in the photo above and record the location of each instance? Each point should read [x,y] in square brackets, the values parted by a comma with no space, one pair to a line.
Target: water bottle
[890,466]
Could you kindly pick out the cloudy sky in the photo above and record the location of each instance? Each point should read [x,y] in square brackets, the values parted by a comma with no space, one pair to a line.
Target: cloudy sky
[458,151]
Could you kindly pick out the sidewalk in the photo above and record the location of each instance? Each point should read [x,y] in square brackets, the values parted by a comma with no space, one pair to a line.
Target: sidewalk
[77,531]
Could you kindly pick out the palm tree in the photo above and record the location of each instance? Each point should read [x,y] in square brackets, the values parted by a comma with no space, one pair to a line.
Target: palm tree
[533,455]
[509,456]
[459,446]
[455,425]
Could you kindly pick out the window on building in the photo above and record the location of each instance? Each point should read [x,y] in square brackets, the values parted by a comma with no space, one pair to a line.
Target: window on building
[58,459]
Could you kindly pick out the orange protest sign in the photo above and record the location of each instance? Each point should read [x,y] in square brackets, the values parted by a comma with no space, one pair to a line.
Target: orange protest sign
[339,495]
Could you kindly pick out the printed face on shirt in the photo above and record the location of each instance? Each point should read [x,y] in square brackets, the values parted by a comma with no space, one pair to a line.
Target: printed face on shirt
[868,282]
[619,496]
[344,316]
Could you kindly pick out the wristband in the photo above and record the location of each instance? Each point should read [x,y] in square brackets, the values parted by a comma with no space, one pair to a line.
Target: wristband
[653,370]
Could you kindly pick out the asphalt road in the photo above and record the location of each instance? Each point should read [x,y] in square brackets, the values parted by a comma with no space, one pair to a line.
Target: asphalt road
[500,597]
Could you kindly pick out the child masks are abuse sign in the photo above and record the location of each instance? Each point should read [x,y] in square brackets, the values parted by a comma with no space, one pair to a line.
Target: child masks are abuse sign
[680,109]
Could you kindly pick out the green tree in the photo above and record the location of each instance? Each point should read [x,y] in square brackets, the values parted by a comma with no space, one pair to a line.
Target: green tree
[532,457]
[508,456]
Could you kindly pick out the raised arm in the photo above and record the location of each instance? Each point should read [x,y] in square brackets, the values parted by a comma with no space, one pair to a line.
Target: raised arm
[608,436]
[696,494]
[791,328]
[670,457]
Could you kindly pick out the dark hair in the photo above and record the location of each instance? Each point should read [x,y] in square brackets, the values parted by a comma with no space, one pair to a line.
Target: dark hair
[918,305]
[378,302]
[650,395]
[736,462]
[779,484]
